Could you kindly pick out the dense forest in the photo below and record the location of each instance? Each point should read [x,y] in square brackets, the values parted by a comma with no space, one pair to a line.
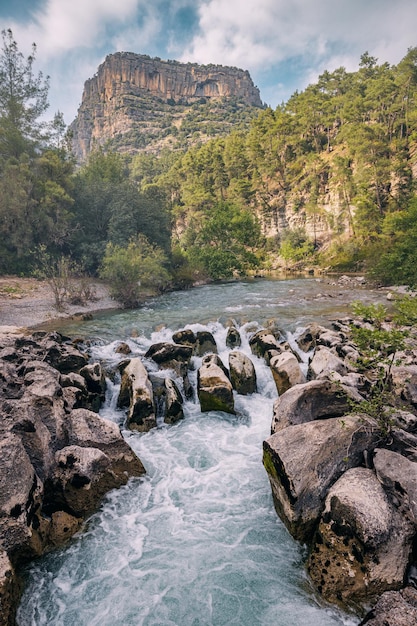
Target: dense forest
[327,179]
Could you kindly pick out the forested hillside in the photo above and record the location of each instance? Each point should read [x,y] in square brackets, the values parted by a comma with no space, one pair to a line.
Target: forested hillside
[327,178]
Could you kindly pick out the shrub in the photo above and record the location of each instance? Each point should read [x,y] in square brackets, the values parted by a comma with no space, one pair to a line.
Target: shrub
[131,269]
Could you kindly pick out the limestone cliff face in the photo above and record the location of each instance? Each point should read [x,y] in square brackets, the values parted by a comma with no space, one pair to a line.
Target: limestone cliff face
[135,96]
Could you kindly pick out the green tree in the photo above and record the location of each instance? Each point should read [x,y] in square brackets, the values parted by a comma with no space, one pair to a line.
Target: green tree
[225,243]
[23,99]
[396,261]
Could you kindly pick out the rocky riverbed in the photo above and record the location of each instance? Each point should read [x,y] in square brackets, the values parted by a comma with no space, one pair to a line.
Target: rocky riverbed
[340,484]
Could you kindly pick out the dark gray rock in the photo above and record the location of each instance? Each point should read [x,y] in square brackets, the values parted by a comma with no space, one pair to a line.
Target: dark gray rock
[233,338]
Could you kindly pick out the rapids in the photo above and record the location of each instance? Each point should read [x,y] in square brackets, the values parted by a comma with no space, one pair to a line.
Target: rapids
[196,542]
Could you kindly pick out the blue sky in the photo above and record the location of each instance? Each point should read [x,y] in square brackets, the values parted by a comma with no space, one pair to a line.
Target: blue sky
[285,44]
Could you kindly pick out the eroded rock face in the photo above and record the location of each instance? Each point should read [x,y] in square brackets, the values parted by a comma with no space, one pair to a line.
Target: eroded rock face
[128,88]
[363,543]
[304,460]
[56,462]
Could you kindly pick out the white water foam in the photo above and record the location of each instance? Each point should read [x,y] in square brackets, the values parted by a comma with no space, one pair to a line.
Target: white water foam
[196,542]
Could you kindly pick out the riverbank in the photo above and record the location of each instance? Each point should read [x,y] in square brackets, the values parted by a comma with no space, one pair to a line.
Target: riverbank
[28,302]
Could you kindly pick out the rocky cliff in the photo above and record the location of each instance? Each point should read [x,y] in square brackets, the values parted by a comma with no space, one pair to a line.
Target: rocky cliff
[134,101]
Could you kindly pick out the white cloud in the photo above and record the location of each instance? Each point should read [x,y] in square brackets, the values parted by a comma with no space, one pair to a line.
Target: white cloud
[299,36]
[61,25]
[262,33]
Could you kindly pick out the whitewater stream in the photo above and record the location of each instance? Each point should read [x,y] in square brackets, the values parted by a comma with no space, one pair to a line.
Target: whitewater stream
[196,542]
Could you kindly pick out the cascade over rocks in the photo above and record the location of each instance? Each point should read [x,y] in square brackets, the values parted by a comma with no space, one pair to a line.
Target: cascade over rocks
[341,483]
[56,461]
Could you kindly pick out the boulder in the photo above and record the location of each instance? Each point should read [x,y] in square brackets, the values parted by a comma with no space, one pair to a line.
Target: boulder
[330,338]
[205,343]
[167,400]
[304,460]
[214,388]
[83,475]
[95,379]
[394,608]
[233,338]
[136,392]
[398,476]
[263,341]
[171,356]
[325,362]
[404,442]
[185,337]
[286,371]
[314,400]
[174,403]
[363,543]
[123,348]
[308,338]
[242,373]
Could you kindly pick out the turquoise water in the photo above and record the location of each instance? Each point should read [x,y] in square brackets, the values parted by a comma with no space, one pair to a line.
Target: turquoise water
[196,542]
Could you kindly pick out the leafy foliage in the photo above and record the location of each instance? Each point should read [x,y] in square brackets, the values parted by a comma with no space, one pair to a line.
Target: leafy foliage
[133,268]
[224,243]
[377,348]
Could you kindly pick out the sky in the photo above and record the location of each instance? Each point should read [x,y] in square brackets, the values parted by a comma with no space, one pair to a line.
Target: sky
[285,44]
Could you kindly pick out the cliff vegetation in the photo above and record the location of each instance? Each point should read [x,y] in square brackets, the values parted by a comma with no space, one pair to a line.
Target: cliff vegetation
[326,179]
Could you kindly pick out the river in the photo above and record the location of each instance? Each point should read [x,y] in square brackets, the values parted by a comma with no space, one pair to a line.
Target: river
[196,542]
